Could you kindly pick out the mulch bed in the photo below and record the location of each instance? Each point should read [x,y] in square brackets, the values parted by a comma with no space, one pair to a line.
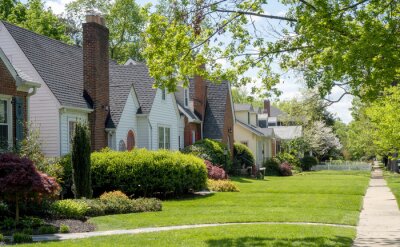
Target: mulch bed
[74,225]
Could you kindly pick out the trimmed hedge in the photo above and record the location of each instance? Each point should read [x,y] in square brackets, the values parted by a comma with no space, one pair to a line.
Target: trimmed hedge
[243,155]
[288,158]
[211,150]
[222,186]
[144,173]
[271,167]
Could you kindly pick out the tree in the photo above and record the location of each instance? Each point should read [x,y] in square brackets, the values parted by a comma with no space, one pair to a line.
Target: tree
[82,183]
[33,16]
[321,139]
[385,119]
[20,180]
[124,18]
[350,44]
[241,96]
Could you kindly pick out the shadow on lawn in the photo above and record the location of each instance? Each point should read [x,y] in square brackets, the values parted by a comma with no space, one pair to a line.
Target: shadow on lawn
[259,241]
[247,180]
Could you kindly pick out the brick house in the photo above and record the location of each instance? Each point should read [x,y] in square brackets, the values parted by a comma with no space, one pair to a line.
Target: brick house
[206,112]
[15,91]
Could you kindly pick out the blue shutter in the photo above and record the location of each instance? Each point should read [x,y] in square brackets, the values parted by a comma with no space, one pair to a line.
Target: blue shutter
[19,120]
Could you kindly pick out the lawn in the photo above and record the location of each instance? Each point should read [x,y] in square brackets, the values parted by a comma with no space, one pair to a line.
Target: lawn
[324,197]
[226,236]
[393,181]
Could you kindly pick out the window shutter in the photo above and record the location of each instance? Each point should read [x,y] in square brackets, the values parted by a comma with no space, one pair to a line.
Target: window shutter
[19,120]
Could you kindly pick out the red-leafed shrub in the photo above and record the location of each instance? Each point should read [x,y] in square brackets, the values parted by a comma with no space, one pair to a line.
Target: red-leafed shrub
[215,172]
[20,180]
[285,169]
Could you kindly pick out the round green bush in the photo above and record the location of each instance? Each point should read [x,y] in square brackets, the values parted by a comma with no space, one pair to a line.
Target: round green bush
[271,167]
[70,209]
[307,162]
[243,155]
[211,150]
[144,173]
[289,158]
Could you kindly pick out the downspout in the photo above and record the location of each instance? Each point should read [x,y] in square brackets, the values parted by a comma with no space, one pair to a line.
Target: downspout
[28,100]
[151,135]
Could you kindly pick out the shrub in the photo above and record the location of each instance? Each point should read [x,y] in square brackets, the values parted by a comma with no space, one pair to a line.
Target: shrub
[3,208]
[307,162]
[211,150]
[66,178]
[47,229]
[222,186]
[271,167]
[288,158]
[27,231]
[116,202]
[243,155]
[143,172]
[285,169]
[215,172]
[71,209]
[146,205]
[19,179]
[30,222]
[1,238]
[8,223]
[96,207]
[21,238]
[64,228]
[80,157]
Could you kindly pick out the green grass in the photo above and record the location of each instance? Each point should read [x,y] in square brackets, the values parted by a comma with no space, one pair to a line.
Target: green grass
[325,197]
[393,181]
[227,236]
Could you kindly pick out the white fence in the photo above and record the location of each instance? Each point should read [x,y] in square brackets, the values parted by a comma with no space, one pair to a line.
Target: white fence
[343,166]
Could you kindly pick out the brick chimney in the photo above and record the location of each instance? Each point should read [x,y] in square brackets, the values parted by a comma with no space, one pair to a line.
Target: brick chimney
[96,77]
[267,107]
[200,96]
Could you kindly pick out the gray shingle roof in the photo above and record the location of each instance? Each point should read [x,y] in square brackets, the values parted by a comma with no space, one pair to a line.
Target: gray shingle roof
[215,110]
[122,78]
[243,107]
[60,65]
[275,112]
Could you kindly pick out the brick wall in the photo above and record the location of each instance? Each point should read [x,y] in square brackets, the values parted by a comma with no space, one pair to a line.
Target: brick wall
[8,87]
[96,79]
[189,127]
[200,96]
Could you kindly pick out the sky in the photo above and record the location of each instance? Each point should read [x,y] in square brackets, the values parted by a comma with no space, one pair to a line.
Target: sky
[290,85]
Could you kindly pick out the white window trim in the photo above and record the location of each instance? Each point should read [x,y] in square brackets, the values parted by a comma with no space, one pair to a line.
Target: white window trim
[163,94]
[158,135]
[8,98]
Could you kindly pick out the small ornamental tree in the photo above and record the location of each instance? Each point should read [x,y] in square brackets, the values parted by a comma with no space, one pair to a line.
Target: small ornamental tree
[20,180]
[82,183]
[243,155]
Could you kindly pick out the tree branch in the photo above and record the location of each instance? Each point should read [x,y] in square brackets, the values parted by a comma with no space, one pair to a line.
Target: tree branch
[331,102]
[256,14]
[308,4]
[353,5]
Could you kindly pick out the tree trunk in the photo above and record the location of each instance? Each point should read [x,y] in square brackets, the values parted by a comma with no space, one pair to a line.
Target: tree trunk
[395,166]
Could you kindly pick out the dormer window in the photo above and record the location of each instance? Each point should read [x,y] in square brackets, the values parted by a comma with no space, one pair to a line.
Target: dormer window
[186,97]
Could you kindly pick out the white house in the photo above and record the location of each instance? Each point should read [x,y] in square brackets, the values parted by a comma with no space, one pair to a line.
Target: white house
[119,103]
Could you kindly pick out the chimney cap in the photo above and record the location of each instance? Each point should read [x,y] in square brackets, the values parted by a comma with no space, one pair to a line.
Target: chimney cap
[93,16]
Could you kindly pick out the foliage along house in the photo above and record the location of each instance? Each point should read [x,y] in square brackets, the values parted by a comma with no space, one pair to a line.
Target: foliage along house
[118,101]
[261,141]
[206,112]
[16,88]
[81,84]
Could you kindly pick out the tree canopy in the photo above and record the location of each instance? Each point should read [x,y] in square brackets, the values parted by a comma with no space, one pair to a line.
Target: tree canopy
[351,44]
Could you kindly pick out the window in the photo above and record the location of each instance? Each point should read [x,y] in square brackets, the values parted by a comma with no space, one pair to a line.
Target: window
[5,125]
[71,133]
[164,138]
[163,93]
[193,136]
[248,117]
[186,96]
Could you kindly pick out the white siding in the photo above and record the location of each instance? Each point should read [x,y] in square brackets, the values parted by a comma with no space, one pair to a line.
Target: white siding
[43,106]
[164,113]
[128,121]
[65,117]
[182,132]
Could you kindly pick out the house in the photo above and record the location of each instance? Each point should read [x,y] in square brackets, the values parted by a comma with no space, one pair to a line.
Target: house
[261,141]
[16,88]
[119,103]
[206,112]
[284,129]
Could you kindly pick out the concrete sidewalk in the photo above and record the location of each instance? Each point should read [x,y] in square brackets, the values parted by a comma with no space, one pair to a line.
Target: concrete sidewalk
[379,223]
